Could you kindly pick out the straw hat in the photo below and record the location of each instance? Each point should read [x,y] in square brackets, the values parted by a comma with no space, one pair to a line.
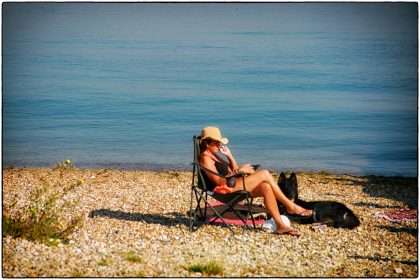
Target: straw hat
[213,133]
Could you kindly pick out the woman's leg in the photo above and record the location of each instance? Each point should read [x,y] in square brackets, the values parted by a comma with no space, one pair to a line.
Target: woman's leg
[254,180]
[265,190]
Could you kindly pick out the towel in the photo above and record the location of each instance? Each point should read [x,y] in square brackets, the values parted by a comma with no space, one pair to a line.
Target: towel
[230,217]
[398,215]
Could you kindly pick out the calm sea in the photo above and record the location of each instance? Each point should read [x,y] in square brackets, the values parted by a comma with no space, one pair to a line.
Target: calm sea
[294,86]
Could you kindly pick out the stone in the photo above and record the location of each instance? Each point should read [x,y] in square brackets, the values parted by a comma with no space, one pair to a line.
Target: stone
[134,235]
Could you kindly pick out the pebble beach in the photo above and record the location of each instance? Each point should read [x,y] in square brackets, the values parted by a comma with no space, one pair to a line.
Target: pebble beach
[135,224]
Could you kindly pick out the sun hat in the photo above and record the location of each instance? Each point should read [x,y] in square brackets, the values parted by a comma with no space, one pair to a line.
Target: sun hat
[213,133]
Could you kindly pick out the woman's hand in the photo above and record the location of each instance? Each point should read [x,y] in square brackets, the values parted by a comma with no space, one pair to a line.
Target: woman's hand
[224,150]
[247,168]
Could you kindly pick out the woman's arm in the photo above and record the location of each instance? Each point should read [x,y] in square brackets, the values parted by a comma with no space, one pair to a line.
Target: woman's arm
[247,168]
[232,162]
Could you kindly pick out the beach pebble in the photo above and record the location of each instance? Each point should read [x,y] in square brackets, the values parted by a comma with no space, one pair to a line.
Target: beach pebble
[398,270]
[135,224]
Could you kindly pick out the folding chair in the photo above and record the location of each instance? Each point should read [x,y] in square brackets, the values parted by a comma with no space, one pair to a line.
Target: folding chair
[201,194]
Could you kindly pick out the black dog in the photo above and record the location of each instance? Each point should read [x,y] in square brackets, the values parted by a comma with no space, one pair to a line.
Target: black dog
[330,213]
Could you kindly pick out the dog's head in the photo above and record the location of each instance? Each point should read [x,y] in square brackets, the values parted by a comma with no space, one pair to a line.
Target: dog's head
[288,186]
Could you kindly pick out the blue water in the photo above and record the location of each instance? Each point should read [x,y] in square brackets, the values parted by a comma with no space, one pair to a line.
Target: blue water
[297,86]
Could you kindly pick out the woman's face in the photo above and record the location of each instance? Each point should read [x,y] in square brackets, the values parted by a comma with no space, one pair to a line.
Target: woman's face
[213,146]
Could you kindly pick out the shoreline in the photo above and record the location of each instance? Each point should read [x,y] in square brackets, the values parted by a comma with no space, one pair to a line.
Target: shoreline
[188,168]
[135,224]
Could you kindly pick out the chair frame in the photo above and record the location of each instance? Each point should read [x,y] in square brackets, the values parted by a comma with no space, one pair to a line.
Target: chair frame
[201,194]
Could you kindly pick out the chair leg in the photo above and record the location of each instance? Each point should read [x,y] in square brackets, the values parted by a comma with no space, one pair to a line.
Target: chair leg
[202,213]
[191,216]
[249,201]
[198,212]
[244,221]
[198,209]
[231,208]
[205,206]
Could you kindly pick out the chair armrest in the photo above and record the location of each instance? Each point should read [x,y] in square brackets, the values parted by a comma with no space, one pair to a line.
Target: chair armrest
[237,175]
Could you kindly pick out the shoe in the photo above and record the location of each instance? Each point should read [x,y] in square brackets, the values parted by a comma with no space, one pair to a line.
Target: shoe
[292,232]
[304,213]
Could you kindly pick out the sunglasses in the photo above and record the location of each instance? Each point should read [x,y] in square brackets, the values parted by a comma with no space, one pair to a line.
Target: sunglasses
[216,143]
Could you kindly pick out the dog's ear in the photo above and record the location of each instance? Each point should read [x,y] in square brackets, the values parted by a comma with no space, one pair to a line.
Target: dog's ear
[281,179]
[294,183]
[283,183]
[293,178]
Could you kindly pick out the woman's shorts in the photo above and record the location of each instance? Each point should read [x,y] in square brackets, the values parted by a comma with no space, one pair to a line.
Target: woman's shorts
[223,189]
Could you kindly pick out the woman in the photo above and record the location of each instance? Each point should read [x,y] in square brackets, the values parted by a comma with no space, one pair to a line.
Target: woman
[259,183]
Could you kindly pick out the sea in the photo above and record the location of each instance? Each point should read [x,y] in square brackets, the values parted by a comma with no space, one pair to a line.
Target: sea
[294,86]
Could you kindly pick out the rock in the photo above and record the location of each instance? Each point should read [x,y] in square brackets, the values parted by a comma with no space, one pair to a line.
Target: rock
[141,229]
